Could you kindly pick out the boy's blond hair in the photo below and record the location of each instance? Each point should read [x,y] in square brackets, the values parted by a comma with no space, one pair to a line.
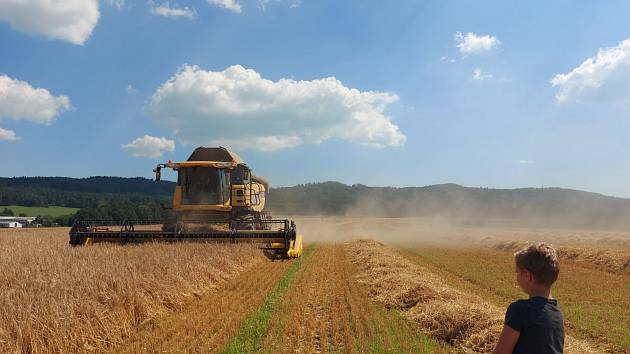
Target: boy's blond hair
[541,260]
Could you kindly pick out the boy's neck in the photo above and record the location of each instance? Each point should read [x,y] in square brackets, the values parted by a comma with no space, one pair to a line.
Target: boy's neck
[541,291]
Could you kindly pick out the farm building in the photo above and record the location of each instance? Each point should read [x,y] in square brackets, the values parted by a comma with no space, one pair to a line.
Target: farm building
[10,221]
[10,224]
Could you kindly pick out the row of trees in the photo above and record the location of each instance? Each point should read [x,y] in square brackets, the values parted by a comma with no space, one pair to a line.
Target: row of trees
[118,210]
[121,209]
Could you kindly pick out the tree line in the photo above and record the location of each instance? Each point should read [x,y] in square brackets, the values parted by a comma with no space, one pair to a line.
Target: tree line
[102,198]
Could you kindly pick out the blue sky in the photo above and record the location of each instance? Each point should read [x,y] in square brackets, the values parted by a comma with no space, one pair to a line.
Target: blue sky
[407,101]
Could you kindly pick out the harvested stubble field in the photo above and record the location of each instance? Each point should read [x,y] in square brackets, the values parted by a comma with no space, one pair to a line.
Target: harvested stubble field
[426,287]
[594,302]
[475,262]
[461,318]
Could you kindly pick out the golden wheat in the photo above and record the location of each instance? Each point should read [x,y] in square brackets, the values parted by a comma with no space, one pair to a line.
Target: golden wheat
[56,298]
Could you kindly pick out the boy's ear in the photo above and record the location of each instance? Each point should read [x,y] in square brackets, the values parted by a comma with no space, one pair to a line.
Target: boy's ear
[530,276]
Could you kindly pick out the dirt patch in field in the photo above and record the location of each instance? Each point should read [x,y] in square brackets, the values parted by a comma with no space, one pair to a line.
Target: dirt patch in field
[462,319]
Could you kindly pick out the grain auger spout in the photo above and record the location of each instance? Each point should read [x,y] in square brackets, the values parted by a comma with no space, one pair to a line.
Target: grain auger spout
[216,198]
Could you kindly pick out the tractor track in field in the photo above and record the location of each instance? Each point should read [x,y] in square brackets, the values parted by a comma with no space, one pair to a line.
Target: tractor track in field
[208,323]
[319,308]
[326,310]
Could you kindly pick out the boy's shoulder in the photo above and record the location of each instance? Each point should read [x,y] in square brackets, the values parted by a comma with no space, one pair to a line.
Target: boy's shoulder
[516,313]
[518,304]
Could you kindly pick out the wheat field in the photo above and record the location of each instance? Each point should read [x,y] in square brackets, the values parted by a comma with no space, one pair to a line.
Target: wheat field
[61,299]
[363,285]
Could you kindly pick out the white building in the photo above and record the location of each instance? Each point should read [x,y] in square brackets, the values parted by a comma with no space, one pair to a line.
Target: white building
[11,224]
[9,221]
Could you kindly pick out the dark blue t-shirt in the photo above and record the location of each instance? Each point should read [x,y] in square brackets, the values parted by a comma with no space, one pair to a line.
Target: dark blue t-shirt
[540,323]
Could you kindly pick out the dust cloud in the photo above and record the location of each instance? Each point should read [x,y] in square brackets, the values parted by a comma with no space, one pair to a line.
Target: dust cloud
[451,232]
[462,216]
[552,208]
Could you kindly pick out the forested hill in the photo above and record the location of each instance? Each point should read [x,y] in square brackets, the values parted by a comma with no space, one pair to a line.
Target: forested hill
[80,192]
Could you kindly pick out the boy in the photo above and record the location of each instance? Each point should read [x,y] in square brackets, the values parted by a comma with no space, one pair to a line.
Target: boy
[534,325]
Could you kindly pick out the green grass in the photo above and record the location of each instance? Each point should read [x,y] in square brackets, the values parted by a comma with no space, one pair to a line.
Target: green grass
[401,335]
[256,325]
[53,211]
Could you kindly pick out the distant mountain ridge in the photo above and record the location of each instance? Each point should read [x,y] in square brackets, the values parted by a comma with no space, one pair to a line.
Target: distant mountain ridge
[334,198]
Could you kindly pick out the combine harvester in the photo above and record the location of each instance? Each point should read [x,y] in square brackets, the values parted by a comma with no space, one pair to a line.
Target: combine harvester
[217,198]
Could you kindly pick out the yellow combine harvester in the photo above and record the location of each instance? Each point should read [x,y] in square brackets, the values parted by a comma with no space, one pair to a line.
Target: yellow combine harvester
[216,198]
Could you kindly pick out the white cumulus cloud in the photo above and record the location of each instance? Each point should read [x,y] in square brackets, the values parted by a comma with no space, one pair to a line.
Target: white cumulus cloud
[68,20]
[8,135]
[478,75]
[604,77]
[19,100]
[526,162]
[166,10]
[471,43]
[238,108]
[231,5]
[149,146]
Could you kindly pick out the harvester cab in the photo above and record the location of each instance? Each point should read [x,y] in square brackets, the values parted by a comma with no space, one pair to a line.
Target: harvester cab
[216,198]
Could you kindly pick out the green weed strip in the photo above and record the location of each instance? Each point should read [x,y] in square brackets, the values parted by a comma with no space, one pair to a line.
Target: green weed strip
[256,325]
